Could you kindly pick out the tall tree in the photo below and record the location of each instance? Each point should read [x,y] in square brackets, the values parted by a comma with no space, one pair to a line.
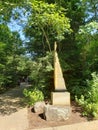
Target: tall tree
[46,24]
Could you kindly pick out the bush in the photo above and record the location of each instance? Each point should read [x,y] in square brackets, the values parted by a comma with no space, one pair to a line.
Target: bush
[89,101]
[32,96]
[41,75]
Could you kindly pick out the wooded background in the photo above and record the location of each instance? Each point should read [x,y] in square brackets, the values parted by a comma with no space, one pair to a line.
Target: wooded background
[28,30]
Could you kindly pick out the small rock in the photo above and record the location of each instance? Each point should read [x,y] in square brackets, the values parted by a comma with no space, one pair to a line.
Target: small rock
[39,107]
[56,113]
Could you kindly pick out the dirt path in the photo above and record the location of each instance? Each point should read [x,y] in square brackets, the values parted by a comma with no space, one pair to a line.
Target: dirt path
[11,101]
[13,111]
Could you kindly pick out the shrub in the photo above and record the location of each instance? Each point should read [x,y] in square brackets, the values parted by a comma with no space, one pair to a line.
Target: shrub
[89,101]
[41,75]
[32,96]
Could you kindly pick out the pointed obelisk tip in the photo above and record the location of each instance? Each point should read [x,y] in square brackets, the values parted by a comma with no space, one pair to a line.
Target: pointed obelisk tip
[55,46]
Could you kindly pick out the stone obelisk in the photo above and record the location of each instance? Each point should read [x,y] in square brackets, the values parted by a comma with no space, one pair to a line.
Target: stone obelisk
[60,96]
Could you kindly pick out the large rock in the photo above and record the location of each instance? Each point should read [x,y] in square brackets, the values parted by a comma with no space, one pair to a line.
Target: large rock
[57,113]
[39,107]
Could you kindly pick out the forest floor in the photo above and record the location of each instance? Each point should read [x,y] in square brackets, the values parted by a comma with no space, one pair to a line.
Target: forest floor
[11,106]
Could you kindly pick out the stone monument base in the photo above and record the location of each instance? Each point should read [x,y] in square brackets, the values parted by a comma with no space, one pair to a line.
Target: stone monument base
[60,98]
[57,113]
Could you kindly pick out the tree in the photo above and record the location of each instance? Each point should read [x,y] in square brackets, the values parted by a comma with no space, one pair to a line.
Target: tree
[46,24]
[91,10]
[87,42]
[10,49]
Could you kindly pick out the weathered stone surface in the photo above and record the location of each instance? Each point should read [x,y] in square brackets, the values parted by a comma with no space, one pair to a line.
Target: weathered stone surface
[60,98]
[39,107]
[59,82]
[57,113]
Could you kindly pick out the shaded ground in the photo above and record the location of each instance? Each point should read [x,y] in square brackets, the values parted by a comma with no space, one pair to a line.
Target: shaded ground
[36,120]
[11,101]
[13,111]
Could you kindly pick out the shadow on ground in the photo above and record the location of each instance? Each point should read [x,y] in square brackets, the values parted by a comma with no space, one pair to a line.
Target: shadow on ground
[11,101]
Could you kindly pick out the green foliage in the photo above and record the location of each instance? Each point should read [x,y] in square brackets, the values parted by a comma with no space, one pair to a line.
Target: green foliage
[10,51]
[49,21]
[87,33]
[41,74]
[47,24]
[89,101]
[33,95]
[91,8]
[87,45]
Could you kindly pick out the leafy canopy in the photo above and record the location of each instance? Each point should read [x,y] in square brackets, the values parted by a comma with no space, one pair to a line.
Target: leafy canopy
[47,21]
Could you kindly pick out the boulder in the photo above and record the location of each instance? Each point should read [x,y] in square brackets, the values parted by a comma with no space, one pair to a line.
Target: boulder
[57,113]
[39,107]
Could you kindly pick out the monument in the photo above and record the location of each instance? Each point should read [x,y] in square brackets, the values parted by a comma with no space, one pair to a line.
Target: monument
[60,96]
[60,109]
